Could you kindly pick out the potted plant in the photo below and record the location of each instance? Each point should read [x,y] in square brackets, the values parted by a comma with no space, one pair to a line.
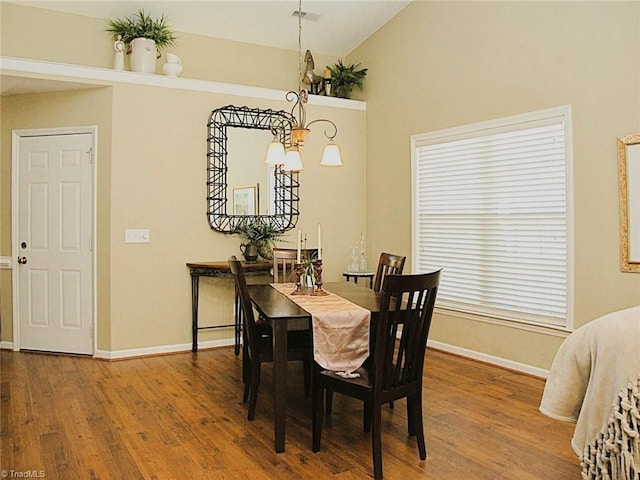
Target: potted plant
[345,77]
[144,37]
[259,240]
[308,273]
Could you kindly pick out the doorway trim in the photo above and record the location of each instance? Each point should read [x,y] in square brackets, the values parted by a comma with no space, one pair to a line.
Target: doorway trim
[16,136]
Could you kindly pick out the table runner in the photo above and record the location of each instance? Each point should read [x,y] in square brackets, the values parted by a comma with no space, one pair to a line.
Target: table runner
[340,329]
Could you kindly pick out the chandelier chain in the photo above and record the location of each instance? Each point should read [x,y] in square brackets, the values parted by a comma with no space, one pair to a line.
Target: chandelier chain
[287,153]
[299,44]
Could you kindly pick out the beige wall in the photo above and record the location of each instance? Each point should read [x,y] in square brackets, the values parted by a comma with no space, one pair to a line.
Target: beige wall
[55,110]
[152,174]
[443,64]
[158,182]
[435,65]
[152,163]
[39,34]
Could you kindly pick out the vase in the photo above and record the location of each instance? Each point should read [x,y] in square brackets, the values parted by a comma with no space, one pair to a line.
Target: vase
[173,67]
[143,55]
[250,251]
[266,251]
[343,91]
[308,281]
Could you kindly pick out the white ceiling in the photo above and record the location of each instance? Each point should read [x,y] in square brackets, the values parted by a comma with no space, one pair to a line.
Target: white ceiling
[341,25]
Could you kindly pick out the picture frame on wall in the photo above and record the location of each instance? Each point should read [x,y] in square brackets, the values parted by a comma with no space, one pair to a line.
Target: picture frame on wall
[245,200]
[629,188]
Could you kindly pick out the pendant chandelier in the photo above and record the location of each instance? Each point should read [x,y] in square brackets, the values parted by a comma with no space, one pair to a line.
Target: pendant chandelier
[288,155]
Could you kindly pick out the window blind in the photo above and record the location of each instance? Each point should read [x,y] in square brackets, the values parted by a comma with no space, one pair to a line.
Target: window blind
[490,206]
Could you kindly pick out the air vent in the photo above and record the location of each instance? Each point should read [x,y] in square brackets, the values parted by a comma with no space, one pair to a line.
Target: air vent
[305,15]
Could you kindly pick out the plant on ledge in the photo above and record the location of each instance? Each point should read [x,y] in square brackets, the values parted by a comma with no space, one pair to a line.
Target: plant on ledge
[141,25]
[344,78]
[259,239]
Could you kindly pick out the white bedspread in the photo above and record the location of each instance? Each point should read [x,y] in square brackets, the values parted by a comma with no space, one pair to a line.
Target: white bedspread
[593,365]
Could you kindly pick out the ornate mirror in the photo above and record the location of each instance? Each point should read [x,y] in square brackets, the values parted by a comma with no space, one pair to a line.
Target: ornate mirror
[629,178]
[241,188]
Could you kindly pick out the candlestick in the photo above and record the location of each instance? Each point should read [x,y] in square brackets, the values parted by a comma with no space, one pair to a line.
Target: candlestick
[319,243]
[299,243]
[318,290]
[299,290]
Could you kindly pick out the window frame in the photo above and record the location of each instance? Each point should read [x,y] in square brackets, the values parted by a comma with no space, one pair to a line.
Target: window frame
[481,129]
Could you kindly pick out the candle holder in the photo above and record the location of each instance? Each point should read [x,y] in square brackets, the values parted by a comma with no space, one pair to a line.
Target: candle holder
[318,290]
[299,290]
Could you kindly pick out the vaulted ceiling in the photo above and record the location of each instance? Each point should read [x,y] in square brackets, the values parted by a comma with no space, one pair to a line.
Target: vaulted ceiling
[331,27]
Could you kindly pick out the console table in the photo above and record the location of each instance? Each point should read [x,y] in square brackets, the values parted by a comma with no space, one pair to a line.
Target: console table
[355,275]
[219,269]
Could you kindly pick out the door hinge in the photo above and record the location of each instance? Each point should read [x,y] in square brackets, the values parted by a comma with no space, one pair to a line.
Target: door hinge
[90,152]
[91,331]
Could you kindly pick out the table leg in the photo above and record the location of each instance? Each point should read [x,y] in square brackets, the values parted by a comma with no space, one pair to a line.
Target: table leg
[280,381]
[237,313]
[195,283]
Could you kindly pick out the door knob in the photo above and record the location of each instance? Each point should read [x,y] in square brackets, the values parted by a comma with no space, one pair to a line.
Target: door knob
[22,260]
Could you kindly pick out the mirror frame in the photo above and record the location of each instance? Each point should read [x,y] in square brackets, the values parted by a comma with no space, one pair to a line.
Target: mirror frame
[629,210]
[287,186]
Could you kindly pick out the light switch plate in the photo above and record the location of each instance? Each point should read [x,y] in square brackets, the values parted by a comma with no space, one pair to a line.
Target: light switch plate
[6,263]
[136,235]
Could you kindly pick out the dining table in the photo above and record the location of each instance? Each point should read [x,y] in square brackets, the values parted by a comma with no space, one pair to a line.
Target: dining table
[285,315]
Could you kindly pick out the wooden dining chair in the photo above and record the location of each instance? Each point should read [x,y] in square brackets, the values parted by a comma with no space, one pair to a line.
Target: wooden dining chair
[284,263]
[257,345]
[395,369]
[388,264]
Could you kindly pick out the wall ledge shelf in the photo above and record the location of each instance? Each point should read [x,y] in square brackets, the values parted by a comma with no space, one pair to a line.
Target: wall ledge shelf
[87,77]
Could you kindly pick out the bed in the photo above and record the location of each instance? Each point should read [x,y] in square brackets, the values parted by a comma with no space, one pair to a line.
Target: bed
[594,381]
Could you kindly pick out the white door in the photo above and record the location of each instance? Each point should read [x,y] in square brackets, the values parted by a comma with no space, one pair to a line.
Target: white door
[54,270]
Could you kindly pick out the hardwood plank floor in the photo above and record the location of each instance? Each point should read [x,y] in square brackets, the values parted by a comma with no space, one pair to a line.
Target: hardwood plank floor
[181,416]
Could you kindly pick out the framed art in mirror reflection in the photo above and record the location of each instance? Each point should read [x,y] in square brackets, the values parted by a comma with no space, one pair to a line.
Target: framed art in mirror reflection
[245,200]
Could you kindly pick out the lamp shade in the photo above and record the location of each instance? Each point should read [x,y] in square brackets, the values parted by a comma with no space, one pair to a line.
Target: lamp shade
[292,161]
[331,156]
[275,153]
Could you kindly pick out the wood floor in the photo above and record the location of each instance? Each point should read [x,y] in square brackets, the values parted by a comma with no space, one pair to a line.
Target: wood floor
[181,417]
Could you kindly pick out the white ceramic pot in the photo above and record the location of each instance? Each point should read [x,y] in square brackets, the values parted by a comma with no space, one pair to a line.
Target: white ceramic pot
[143,55]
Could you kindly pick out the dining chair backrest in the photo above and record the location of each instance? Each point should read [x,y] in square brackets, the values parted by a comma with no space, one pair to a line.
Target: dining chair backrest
[242,295]
[395,369]
[388,264]
[258,343]
[407,301]
[284,262]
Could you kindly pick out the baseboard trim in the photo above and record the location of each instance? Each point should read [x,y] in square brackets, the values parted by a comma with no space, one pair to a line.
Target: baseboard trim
[186,347]
[493,360]
[161,350]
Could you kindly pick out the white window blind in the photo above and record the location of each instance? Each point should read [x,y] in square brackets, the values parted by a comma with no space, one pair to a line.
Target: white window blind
[491,207]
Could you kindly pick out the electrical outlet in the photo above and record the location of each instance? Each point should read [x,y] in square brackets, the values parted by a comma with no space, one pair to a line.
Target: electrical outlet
[136,235]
